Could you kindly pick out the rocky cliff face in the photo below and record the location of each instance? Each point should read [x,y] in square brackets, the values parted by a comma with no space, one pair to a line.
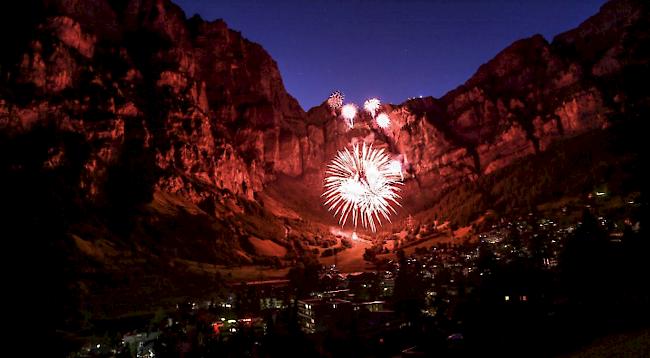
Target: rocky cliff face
[191,108]
[140,147]
[530,95]
[207,104]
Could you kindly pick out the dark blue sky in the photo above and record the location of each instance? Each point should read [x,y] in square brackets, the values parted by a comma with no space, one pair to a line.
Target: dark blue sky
[387,48]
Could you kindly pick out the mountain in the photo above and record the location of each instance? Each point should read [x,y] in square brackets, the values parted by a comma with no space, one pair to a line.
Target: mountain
[135,138]
[137,100]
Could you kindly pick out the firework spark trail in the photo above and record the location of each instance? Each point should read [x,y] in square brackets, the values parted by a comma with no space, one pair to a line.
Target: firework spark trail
[349,111]
[371,106]
[335,100]
[383,121]
[362,184]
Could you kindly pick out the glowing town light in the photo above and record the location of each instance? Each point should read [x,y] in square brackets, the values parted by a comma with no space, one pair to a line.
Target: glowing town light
[383,121]
[361,184]
[371,106]
[349,111]
[335,100]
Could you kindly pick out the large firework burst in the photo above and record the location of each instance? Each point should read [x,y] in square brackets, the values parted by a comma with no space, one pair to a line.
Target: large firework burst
[335,100]
[371,106]
[362,183]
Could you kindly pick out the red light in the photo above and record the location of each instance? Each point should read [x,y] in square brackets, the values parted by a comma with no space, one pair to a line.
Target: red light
[215,327]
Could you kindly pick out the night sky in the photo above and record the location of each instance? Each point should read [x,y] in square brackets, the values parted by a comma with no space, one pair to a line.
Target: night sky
[390,49]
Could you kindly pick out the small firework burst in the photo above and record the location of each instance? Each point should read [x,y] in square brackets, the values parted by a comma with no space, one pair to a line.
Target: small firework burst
[383,121]
[362,183]
[371,106]
[335,100]
[348,112]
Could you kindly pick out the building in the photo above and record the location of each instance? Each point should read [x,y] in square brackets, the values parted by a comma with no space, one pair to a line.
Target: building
[371,306]
[387,285]
[316,314]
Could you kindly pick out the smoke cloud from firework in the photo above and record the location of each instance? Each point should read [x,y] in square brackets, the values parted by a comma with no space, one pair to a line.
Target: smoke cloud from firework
[363,185]
[396,167]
